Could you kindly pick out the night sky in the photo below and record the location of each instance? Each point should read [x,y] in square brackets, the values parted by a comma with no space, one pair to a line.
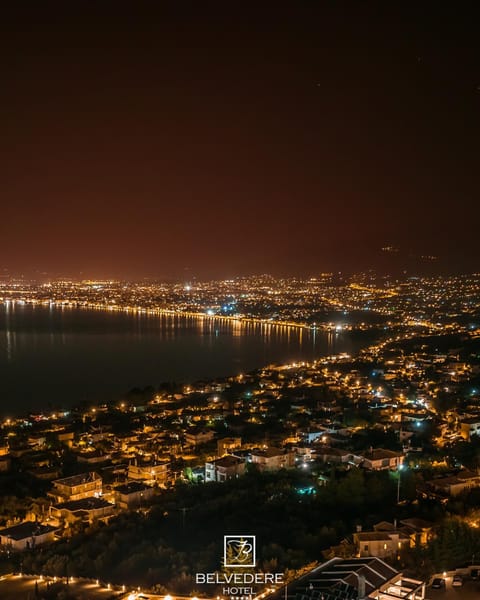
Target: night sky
[181,140]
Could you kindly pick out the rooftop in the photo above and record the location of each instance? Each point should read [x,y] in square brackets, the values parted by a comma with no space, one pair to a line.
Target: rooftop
[25,530]
[227,461]
[378,536]
[380,454]
[342,579]
[339,578]
[84,504]
[268,452]
[80,479]
[132,487]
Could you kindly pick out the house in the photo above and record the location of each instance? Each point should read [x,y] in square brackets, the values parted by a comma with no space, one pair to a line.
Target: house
[45,473]
[272,459]
[305,451]
[133,494]
[454,485]
[4,449]
[76,487]
[226,444]
[224,468]
[387,539]
[378,459]
[469,427]
[419,530]
[196,436]
[65,437]
[37,440]
[156,471]
[382,544]
[86,509]
[5,463]
[26,535]
[94,457]
[317,434]
[335,455]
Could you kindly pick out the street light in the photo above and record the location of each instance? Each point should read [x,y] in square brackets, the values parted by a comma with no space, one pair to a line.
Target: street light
[399,469]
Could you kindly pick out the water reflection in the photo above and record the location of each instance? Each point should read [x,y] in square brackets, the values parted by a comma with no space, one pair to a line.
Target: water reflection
[66,354]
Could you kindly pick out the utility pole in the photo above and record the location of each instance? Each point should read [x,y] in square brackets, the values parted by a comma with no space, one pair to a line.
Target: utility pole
[183,510]
[399,470]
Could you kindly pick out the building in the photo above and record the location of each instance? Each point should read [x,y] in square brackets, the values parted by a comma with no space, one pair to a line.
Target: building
[378,459]
[5,463]
[272,459]
[66,437]
[387,539]
[86,509]
[133,494]
[381,544]
[156,472]
[26,535]
[226,444]
[76,487]
[336,455]
[469,427]
[316,435]
[356,579]
[197,436]
[305,451]
[224,468]
[95,457]
[454,485]
[419,530]
[45,473]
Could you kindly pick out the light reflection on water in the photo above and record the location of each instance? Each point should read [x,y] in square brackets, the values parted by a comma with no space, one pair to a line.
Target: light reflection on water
[60,355]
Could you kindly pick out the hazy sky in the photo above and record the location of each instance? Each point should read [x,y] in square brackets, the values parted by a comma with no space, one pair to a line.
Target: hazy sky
[220,138]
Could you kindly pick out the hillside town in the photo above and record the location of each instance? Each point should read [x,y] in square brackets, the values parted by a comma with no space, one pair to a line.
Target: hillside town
[407,408]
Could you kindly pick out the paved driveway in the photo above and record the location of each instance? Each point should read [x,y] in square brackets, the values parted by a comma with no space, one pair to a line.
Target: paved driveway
[470,590]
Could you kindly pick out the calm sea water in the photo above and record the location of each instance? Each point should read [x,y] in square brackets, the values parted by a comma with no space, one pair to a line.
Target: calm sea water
[52,357]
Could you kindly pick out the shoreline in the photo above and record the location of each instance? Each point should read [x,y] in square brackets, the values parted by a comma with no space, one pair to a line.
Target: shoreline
[157,311]
[234,327]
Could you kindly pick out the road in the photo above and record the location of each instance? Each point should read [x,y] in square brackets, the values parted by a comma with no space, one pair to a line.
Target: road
[470,590]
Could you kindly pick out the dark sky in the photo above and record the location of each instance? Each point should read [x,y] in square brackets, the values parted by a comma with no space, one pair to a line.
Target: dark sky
[215,139]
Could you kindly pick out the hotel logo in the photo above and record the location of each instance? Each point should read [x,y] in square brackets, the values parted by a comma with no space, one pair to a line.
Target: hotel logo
[239,551]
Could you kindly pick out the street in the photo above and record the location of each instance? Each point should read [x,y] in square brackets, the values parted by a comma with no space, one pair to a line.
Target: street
[470,590]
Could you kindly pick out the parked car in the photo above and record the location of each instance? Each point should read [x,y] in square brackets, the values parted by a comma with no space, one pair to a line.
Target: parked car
[438,583]
[457,581]
[474,573]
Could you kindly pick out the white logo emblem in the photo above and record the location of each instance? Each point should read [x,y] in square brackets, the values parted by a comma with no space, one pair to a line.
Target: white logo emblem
[239,550]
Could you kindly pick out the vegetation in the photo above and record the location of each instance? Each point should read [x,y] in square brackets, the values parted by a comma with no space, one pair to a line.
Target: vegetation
[456,544]
[293,517]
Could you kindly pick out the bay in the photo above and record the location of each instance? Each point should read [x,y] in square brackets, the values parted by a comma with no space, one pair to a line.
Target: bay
[59,356]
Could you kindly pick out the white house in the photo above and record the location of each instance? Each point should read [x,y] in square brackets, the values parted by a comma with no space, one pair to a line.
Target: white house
[26,535]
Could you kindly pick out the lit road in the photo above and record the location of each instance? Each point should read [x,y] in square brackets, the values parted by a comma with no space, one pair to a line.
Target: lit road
[16,586]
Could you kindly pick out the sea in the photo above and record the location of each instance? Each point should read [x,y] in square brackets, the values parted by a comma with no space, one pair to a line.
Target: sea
[58,356]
